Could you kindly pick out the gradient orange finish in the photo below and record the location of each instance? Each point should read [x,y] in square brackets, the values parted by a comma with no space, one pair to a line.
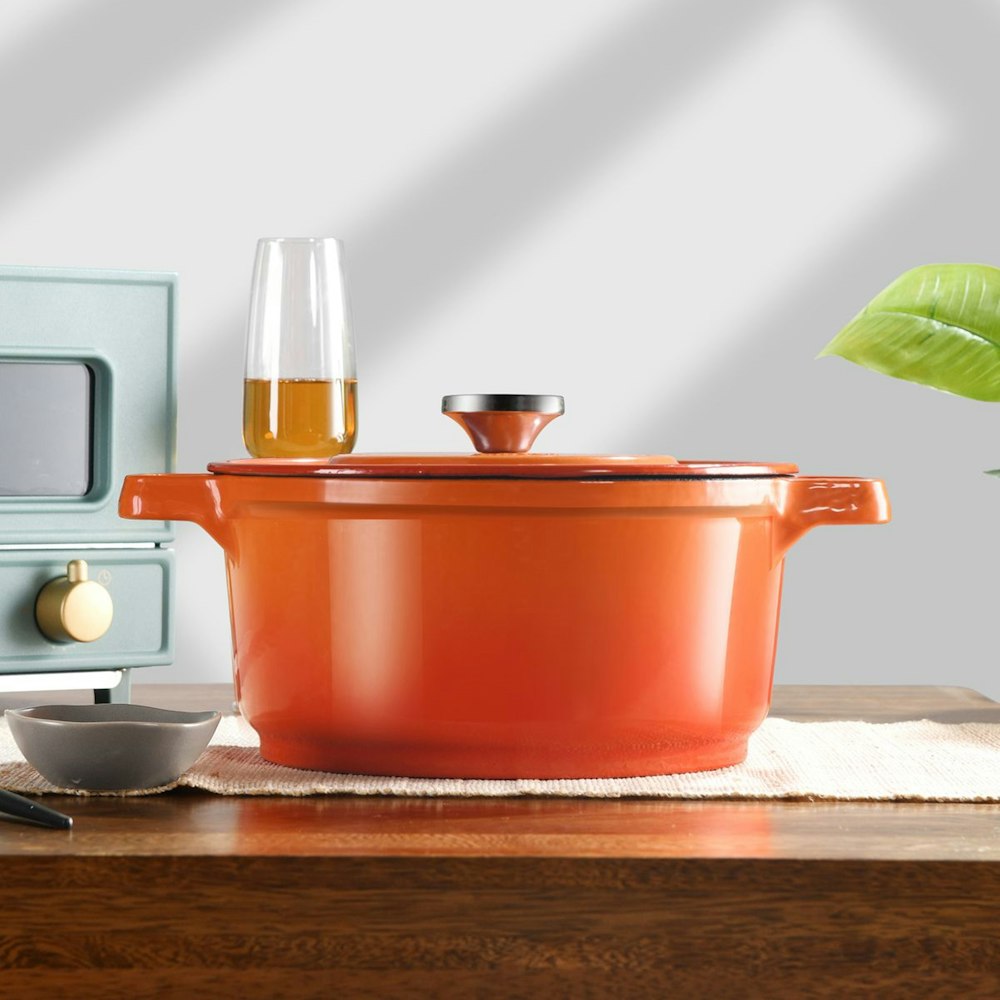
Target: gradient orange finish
[504,628]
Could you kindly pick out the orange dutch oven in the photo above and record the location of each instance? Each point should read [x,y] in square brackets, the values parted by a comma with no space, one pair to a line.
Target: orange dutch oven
[504,614]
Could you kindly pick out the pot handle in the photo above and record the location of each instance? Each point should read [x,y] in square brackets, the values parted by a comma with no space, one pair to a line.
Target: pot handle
[176,496]
[807,501]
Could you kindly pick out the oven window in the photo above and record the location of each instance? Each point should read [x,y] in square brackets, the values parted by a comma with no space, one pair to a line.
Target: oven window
[46,429]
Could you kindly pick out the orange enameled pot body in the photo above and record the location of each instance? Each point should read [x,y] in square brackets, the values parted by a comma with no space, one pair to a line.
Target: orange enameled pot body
[504,628]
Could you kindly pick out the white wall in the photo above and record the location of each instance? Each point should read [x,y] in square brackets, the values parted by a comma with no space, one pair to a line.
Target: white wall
[662,210]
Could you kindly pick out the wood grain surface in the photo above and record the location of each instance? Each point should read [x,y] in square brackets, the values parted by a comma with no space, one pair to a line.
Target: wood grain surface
[288,926]
[188,894]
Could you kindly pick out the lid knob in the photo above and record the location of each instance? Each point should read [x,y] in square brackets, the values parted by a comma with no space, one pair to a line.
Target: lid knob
[500,422]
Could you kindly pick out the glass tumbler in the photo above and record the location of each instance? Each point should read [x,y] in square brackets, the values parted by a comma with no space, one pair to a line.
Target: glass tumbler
[300,388]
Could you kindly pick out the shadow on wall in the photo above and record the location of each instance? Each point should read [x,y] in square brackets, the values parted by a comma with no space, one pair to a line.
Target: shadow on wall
[449,223]
[909,602]
[93,63]
[941,214]
[431,238]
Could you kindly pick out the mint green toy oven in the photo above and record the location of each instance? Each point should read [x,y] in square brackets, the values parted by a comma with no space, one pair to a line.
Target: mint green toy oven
[87,396]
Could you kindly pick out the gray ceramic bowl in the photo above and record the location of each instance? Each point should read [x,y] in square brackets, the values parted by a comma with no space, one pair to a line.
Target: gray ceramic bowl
[110,747]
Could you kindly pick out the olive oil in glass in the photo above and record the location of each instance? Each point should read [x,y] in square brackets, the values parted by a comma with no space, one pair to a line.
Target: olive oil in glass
[299,417]
[300,390]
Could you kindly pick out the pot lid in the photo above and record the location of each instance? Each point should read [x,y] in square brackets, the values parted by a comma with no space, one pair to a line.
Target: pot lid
[503,429]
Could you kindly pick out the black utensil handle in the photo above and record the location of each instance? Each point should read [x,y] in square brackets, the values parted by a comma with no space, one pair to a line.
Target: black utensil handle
[17,805]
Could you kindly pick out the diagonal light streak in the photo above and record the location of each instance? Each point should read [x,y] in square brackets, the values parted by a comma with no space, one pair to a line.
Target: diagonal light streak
[78,73]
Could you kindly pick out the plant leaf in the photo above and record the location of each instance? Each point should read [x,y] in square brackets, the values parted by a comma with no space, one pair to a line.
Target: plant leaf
[938,325]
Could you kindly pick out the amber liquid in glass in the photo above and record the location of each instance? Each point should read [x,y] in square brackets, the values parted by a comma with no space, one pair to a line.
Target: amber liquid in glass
[299,417]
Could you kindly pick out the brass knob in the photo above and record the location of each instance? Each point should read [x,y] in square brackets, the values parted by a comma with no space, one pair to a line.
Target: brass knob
[72,608]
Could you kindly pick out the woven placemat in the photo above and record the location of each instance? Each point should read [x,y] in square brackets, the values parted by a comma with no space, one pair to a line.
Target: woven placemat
[915,761]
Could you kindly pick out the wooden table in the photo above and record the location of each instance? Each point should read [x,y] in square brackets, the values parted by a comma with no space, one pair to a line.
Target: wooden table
[191,894]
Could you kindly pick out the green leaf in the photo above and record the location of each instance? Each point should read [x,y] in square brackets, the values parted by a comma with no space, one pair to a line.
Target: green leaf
[938,325]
